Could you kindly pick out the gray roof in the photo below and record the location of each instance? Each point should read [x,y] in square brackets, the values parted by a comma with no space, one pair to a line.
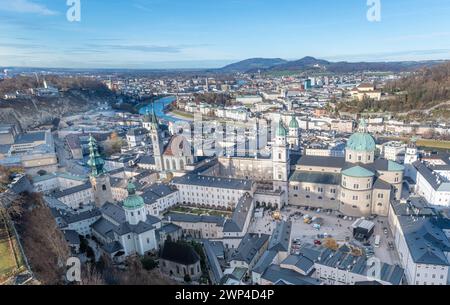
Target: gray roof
[250,245]
[4,148]
[213,261]
[275,274]
[73,190]
[337,162]
[71,237]
[344,260]
[105,227]
[30,137]
[381,185]
[436,181]
[215,182]
[237,221]
[156,191]
[181,217]
[112,247]
[114,212]
[427,242]
[76,217]
[281,236]
[315,177]
[147,160]
[265,261]
[169,228]
[137,131]
[301,262]
[416,206]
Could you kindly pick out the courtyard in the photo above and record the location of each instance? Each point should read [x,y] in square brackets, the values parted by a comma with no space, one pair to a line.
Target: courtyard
[332,227]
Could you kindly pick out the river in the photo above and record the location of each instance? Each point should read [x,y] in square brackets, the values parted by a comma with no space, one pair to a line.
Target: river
[160,104]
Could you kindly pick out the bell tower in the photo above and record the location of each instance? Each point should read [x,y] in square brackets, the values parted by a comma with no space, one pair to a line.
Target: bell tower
[155,135]
[280,159]
[101,185]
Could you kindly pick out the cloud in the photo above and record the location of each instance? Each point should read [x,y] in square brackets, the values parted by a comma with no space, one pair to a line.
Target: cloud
[143,47]
[25,6]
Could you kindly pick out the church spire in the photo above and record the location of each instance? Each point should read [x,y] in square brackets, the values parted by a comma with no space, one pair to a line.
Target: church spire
[154,118]
[95,160]
[362,125]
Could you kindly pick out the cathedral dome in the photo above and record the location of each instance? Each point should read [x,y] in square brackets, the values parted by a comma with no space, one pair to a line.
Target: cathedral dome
[361,141]
[133,201]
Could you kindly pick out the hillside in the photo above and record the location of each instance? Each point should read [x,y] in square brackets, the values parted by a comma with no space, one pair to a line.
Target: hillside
[253,64]
[423,94]
[311,64]
[77,95]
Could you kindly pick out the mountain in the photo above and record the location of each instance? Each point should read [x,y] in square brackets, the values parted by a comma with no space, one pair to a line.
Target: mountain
[308,64]
[253,64]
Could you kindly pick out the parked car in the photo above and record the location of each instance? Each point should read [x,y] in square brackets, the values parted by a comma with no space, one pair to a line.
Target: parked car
[317,242]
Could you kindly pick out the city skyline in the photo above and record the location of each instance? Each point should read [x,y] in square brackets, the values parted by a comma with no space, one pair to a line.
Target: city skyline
[199,34]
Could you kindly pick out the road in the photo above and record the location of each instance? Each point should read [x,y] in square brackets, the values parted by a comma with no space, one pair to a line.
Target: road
[66,163]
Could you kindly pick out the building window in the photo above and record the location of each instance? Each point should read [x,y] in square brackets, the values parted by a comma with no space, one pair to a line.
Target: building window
[104,187]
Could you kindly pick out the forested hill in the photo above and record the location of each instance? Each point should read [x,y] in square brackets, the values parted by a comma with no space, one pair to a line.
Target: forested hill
[423,94]
[424,89]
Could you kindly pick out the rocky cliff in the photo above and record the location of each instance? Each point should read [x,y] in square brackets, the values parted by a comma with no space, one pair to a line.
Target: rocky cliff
[33,111]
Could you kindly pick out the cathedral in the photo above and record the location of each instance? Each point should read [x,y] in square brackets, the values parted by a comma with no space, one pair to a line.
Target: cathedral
[172,156]
[358,184]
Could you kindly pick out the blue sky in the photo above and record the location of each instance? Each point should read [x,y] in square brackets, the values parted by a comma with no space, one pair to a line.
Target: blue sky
[211,33]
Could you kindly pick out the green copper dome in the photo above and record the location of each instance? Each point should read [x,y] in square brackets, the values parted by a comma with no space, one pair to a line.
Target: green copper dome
[133,201]
[361,141]
[294,123]
[281,131]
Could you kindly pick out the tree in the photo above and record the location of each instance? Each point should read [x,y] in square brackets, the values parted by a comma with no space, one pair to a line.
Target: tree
[149,263]
[44,244]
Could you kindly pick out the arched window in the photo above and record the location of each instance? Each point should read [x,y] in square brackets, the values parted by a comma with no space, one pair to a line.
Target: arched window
[181,164]
[174,164]
[104,187]
[167,164]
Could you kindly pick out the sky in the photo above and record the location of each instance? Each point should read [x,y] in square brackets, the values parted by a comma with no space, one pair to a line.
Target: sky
[212,33]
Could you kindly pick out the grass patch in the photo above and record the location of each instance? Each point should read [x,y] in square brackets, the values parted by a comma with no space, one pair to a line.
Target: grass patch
[200,211]
[424,143]
[434,144]
[182,114]
[11,262]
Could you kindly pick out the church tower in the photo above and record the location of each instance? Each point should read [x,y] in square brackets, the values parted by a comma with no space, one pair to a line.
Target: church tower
[411,156]
[155,135]
[134,206]
[280,158]
[101,185]
[294,135]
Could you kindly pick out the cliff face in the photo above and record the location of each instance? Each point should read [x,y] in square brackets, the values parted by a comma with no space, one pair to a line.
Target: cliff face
[34,111]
